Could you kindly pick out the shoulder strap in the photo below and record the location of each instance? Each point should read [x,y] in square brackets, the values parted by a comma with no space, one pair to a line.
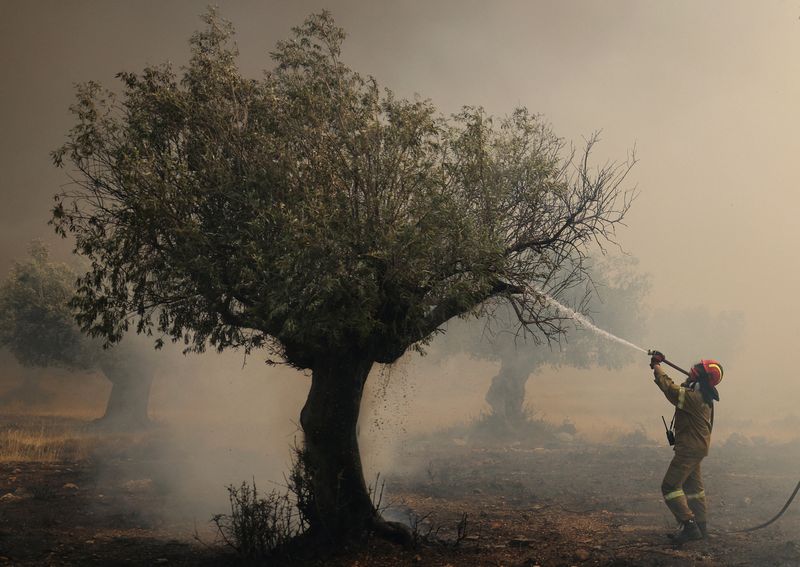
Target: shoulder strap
[712,419]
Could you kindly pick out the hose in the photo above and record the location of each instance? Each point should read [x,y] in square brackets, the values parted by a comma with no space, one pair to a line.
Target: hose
[778,515]
[667,362]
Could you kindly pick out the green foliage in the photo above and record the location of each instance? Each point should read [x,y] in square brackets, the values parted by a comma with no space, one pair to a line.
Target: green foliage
[312,211]
[36,322]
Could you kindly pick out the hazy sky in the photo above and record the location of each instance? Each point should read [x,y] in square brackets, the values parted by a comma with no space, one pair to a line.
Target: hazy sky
[708,92]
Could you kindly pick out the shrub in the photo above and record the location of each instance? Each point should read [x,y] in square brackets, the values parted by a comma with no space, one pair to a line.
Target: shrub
[258,526]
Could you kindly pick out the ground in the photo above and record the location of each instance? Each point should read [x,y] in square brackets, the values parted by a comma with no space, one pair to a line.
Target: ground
[564,503]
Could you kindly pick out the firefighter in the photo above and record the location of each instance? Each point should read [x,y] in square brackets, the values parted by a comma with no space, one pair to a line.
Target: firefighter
[694,418]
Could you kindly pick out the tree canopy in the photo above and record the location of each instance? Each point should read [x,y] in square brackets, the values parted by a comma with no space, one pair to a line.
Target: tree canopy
[312,211]
[36,322]
[37,325]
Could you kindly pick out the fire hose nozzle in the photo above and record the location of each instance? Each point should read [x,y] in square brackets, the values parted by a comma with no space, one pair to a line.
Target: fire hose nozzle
[653,352]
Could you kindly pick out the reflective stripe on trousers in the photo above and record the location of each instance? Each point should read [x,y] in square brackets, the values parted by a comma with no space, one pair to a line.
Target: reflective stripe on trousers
[673,495]
[683,488]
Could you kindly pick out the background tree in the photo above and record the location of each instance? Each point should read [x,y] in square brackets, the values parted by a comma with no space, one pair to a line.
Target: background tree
[314,214]
[38,326]
[613,296]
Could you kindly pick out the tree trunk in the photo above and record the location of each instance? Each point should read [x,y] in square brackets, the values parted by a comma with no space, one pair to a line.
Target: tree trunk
[130,394]
[506,395]
[343,510]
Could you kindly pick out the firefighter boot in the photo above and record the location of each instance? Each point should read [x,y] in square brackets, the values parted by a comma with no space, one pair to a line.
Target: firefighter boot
[703,527]
[689,532]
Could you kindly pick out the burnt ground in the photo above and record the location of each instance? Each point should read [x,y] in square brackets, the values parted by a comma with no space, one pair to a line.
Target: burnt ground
[567,504]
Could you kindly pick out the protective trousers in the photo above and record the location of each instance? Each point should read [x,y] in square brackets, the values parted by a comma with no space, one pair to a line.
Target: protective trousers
[683,488]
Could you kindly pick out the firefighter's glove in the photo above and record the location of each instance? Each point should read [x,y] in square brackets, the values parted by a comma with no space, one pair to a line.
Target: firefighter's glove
[656,358]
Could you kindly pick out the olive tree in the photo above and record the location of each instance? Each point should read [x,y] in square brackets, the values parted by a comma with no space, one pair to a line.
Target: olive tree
[612,296]
[316,215]
[38,327]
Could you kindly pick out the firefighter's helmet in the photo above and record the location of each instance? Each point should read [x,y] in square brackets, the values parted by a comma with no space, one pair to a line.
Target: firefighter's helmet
[709,368]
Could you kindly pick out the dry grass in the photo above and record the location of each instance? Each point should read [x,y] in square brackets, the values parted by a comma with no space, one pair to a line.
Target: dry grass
[43,443]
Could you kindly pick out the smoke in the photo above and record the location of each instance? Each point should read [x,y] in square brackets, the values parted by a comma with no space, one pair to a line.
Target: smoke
[222,423]
[50,391]
[712,116]
[216,422]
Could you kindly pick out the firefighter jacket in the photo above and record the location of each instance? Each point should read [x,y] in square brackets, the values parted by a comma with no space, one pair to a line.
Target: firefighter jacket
[693,417]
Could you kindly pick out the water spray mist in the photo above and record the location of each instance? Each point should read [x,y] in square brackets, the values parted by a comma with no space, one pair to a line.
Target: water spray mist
[583,320]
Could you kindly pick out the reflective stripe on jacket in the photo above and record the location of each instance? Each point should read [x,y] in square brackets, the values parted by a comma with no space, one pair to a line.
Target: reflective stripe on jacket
[692,416]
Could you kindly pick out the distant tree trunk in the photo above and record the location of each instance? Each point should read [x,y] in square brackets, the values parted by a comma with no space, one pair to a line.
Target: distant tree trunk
[506,395]
[130,395]
[343,508]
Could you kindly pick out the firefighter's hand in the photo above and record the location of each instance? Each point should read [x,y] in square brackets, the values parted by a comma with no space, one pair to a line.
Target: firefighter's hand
[656,358]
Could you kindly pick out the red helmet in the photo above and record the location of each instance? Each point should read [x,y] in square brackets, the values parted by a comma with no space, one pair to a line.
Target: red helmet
[712,369]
